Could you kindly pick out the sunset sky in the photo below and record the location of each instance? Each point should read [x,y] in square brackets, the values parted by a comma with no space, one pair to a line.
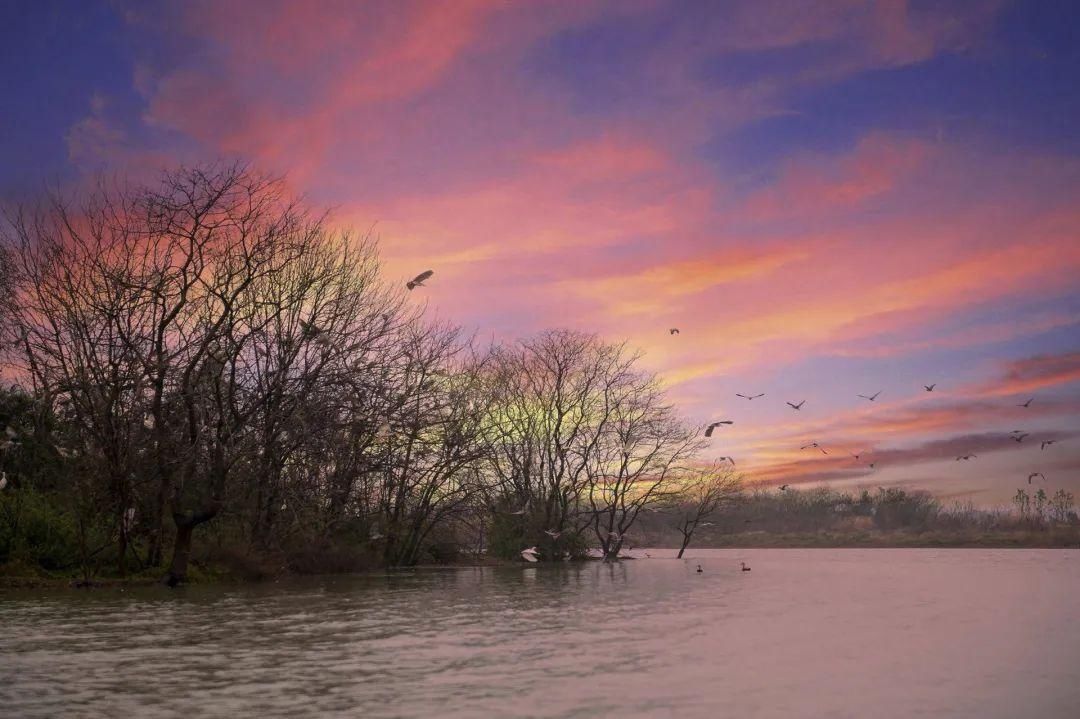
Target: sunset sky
[826,202]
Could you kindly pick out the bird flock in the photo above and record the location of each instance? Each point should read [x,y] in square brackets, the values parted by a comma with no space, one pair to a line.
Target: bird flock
[1017,436]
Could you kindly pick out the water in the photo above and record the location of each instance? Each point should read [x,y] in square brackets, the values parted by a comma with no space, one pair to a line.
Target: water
[806,633]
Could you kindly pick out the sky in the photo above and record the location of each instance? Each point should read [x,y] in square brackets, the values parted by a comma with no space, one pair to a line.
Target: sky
[826,201]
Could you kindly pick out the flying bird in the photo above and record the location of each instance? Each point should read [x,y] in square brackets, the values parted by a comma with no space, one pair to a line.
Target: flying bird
[673,331]
[814,445]
[1033,475]
[783,487]
[871,465]
[529,555]
[796,406]
[420,279]
[1020,437]
[749,396]
[714,425]
[965,457]
[929,387]
[856,456]
[730,459]
[871,397]
[1026,404]
[553,534]
[1046,443]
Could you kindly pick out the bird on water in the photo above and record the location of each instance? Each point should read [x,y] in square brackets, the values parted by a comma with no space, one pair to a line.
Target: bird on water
[744,567]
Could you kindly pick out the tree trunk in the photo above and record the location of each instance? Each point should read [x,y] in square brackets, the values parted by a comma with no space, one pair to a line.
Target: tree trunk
[685,544]
[181,553]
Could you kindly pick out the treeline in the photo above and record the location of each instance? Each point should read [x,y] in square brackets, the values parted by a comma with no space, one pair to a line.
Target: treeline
[204,365]
[842,514]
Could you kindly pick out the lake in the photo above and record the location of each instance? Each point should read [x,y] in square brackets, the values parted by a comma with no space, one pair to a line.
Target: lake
[806,633]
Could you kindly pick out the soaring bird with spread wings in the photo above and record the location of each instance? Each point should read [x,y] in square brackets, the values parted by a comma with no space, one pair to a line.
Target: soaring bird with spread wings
[420,279]
[871,397]
[796,406]
[714,425]
[749,396]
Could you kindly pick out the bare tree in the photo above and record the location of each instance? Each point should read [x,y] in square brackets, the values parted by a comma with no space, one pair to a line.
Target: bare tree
[703,493]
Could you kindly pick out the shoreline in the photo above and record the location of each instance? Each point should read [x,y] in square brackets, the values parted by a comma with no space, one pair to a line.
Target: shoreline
[214,576]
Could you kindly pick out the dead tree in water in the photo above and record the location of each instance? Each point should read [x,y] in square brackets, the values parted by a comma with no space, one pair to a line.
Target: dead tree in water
[704,493]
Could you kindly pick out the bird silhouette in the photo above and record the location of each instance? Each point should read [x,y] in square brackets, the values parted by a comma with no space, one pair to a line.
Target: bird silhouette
[815,445]
[856,456]
[871,397]
[1026,404]
[1033,475]
[1046,443]
[1020,437]
[420,279]
[673,331]
[749,396]
[714,425]
[965,457]
[929,387]
[730,459]
[783,487]
[871,465]
[744,567]
[699,569]
[310,328]
[796,406]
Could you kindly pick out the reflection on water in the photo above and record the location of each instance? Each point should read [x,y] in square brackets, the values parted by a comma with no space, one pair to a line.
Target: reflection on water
[807,633]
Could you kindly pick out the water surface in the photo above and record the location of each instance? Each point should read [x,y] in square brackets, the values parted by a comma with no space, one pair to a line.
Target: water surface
[806,633]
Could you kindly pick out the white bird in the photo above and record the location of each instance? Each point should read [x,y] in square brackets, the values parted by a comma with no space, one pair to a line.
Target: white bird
[749,396]
[1033,475]
[10,432]
[129,516]
[871,397]
[714,425]
[419,280]
[3,480]
[529,555]
[796,406]
[553,534]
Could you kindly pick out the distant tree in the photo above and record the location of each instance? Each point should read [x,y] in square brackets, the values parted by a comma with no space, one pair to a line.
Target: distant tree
[1061,505]
[1041,501]
[1022,500]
